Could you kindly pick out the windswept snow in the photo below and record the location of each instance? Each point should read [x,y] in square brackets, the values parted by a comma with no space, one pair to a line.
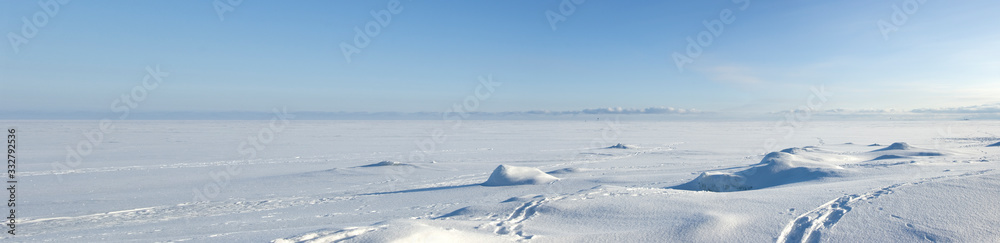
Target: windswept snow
[385,163]
[890,156]
[508,175]
[777,168]
[799,150]
[568,170]
[904,150]
[318,181]
[398,230]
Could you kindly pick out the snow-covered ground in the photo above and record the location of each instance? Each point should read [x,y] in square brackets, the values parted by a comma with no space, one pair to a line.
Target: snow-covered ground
[549,181]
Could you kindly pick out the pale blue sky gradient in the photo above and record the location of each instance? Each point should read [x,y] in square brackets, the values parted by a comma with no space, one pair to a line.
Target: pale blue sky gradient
[269,54]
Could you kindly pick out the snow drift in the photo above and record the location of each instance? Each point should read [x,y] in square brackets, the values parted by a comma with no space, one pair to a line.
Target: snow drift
[777,168]
[994,145]
[385,163]
[890,156]
[568,170]
[621,146]
[896,146]
[902,150]
[506,175]
[400,230]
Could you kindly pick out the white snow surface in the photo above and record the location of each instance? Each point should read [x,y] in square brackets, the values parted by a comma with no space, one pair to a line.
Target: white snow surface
[320,181]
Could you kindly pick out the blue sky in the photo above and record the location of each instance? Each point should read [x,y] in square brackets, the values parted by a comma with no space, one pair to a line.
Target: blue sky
[267,54]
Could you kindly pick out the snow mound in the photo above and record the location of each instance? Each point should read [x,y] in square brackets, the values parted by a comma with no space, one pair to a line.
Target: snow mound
[385,163]
[621,146]
[901,150]
[890,156]
[897,146]
[506,175]
[799,150]
[793,150]
[777,168]
[994,145]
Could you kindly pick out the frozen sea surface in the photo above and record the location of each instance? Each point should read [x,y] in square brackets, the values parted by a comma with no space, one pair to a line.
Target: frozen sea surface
[420,181]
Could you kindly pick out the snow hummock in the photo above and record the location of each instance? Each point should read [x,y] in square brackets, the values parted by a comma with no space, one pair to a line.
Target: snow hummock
[385,163]
[777,168]
[902,150]
[611,195]
[507,175]
[890,156]
[792,150]
[897,146]
[799,150]
[621,146]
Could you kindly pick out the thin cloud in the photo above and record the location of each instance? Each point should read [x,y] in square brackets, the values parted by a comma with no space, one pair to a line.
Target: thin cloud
[602,111]
[987,108]
[866,111]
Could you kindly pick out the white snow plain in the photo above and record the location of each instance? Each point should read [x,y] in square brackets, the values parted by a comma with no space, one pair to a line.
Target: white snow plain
[563,181]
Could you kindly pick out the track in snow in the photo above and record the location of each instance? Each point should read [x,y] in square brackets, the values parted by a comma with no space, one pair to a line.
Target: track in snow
[809,227]
[513,224]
